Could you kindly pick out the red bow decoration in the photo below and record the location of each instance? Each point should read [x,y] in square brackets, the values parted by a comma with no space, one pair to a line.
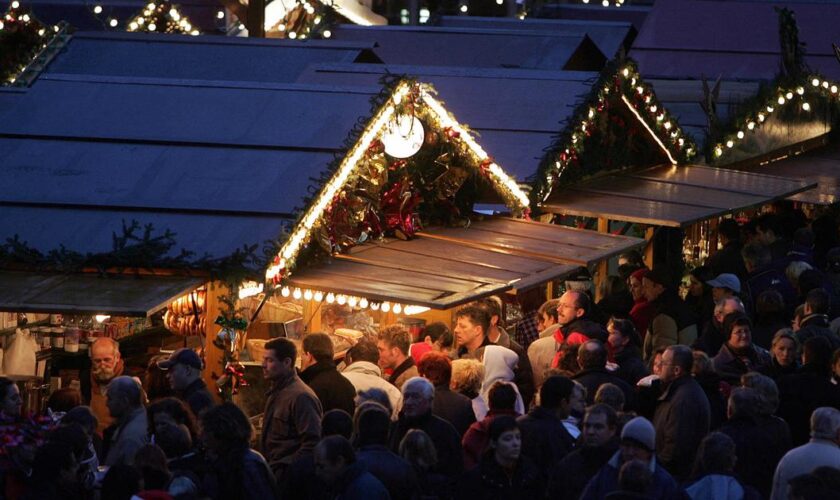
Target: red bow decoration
[484,166]
[452,134]
[399,204]
[236,375]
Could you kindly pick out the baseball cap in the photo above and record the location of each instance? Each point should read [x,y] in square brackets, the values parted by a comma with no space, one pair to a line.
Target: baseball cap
[183,356]
[726,280]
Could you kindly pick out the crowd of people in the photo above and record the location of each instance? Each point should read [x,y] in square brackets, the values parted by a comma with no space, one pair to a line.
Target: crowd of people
[730,390]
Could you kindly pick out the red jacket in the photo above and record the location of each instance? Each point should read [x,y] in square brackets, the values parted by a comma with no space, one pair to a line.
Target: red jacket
[477,437]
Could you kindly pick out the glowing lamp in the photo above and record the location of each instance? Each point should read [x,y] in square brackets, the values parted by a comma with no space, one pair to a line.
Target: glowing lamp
[403,137]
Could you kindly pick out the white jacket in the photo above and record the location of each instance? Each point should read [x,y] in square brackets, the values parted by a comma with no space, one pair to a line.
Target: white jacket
[365,375]
[499,366]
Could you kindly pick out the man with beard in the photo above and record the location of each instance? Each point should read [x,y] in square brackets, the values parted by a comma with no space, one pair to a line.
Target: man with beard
[106,364]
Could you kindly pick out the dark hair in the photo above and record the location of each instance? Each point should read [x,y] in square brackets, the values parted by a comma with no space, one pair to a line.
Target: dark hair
[683,357]
[818,300]
[155,382]
[729,229]
[769,222]
[634,477]
[500,425]
[283,348]
[716,455]
[493,306]
[335,447]
[151,460]
[64,399]
[372,425]
[436,367]
[592,354]
[337,423]
[178,410]
[703,274]
[72,435]
[439,333]
[743,401]
[121,482]
[476,314]
[633,257]
[396,336]
[733,319]
[582,301]
[549,308]
[555,390]
[818,352]
[501,396]
[810,487]
[319,346]
[809,279]
[82,416]
[756,255]
[626,329]
[610,395]
[232,430]
[364,350]
[377,396]
[173,440]
[769,303]
[50,459]
[607,411]
[418,449]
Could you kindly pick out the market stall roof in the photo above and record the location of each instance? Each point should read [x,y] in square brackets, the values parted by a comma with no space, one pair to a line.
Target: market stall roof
[213,58]
[468,47]
[516,112]
[91,293]
[821,165]
[635,14]
[735,39]
[445,267]
[675,196]
[609,36]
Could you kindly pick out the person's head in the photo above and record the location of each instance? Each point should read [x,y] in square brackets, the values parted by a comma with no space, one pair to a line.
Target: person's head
[182,368]
[621,333]
[810,279]
[393,343]
[600,423]
[333,455]
[467,376]
[727,306]
[156,383]
[83,417]
[638,440]
[337,422]
[755,256]
[809,487]
[729,231]
[371,425]
[505,440]
[436,367]
[768,229]
[493,306]
[631,257]
[610,395]
[547,314]
[225,430]
[123,396]
[501,397]
[151,460]
[794,270]
[817,301]
[104,359]
[11,402]
[418,394]
[577,402]
[656,362]
[737,330]
[471,326]
[279,359]
[418,449]
[592,355]
[655,283]
[171,411]
[798,314]
[174,440]
[121,482]
[364,350]
[766,391]
[634,477]
[742,403]
[769,304]
[784,347]
[825,424]
[439,336]
[716,455]
[572,306]
[702,363]
[724,285]
[64,399]
[555,394]
[817,352]
[75,436]
[316,348]
[634,283]
[613,285]
[677,361]
[374,395]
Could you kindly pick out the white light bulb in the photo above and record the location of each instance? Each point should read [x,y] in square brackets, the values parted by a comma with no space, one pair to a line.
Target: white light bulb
[307,294]
[15,4]
[297,294]
[751,125]
[363,303]
[815,82]
[341,300]
[653,109]
[825,84]
[834,89]
[113,23]
[789,95]
[330,298]
[152,26]
[769,109]
[740,134]
[293,35]
[97,9]
[285,292]
[626,72]
[718,151]
[386,307]
[806,106]
[761,117]
[729,143]
[800,90]
[667,125]
[220,14]
[397,309]
[351,301]
[25,18]
[319,296]
[781,99]
[374,306]
[464,8]
[327,33]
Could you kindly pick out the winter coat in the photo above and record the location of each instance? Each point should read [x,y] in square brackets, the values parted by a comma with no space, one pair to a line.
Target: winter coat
[569,476]
[445,438]
[730,366]
[453,407]
[130,434]
[578,332]
[523,375]
[673,323]
[475,441]
[817,325]
[760,442]
[720,487]
[594,378]
[333,390]
[197,397]
[291,423]
[642,314]
[257,479]
[544,437]
[489,481]
[365,375]
[395,473]
[662,485]
[681,421]
[803,460]
[403,372]
[768,278]
[631,368]
[728,260]
[776,371]
[499,364]
[358,484]
[717,392]
[541,354]
[802,393]
[710,340]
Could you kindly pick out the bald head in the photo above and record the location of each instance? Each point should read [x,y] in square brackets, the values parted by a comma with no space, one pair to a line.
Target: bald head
[592,355]
[124,395]
[727,306]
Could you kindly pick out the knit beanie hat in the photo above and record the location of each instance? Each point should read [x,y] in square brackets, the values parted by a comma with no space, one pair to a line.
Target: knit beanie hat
[640,431]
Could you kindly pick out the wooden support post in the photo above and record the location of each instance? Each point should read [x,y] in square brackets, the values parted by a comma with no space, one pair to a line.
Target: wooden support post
[414,12]
[213,356]
[649,234]
[603,266]
[256,18]
[713,237]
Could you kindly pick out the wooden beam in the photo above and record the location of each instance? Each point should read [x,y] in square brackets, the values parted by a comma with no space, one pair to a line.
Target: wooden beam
[256,18]
[601,273]
[650,232]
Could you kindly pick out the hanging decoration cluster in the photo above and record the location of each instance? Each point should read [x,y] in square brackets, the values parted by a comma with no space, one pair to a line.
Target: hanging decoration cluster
[161,17]
[308,19]
[619,87]
[22,39]
[607,3]
[412,165]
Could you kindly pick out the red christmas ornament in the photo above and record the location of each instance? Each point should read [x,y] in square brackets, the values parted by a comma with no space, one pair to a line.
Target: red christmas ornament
[376,147]
[397,165]
[484,166]
[452,134]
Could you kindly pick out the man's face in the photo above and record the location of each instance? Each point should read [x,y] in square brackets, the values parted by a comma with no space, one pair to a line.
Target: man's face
[568,310]
[116,403]
[179,376]
[632,451]
[103,361]
[765,237]
[651,290]
[615,339]
[740,337]
[467,332]
[415,402]
[577,403]
[668,371]
[719,293]
[387,355]
[327,471]
[276,369]
[544,321]
[596,432]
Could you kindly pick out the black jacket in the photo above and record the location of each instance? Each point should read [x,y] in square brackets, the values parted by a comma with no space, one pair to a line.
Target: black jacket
[760,442]
[631,368]
[569,476]
[395,473]
[681,422]
[545,439]
[817,325]
[453,407]
[710,382]
[197,397]
[489,481]
[710,339]
[334,390]
[728,260]
[594,378]
[776,371]
[730,367]
[802,393]
[444,436]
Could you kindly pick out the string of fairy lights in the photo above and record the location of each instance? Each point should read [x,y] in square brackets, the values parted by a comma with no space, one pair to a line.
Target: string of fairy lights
[156,17]
[15,18]
[801,95]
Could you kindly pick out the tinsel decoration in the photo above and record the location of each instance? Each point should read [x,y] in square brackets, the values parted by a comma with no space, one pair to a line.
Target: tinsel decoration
[22,38]
[308,19]
[231,380]
[162,17]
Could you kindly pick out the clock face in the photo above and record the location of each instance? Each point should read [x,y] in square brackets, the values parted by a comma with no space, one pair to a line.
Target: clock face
[403,137]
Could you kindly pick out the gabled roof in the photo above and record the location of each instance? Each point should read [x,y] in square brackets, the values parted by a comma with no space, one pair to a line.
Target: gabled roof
[609,36]
[515,112]
[634,14]
[735,39]
[468,47]
[212,58]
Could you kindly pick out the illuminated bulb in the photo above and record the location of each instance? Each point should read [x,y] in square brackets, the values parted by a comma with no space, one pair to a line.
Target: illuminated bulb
[341,300]
[386,307]
[152,27]
[317,20]
[220,14]
[297,294]
[141,21]
[640,90]
[285,292]
[327,33]
[740,134]
[113,23]
[825,84]
[151,6]
[751,125]
[660,117]
[1,25]
[667,125]
[500,2]
[718,151]
[15,4]
[363,303]
[41,32]
[409,310]
[352,301]
[653,109]
[330,298]
[101,318]
[605,3]
[174,14]
[292,35]
[761,117]
[319,296]
[97,9]
[307,294]
[464,8]
[729,143]
[25,18]
[681,141]
[789,95]
[834,89]
[591,113]
[626,72]
[374,306]
[800,90]
[781,99]
[632,81]
[132,26]
[815,82]
[194,33]
[769,109]
[806,106]
[397,309]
